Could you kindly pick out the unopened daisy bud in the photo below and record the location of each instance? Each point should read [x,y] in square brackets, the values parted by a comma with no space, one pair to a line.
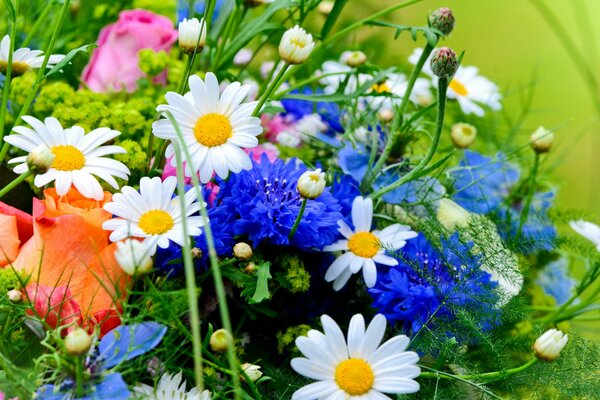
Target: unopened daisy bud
[548,346]
[442,19]
[242,251]
[451,215]
[40,159]
[355,59]
[220,340]
[325,8]
[192,35]
[296,45]
[252,371]
[14,296]
[196,252]
[542,140]
[133,257]
[444,62]
[78,342]
[463,135]
[250,268]
[386,115]
[311,184]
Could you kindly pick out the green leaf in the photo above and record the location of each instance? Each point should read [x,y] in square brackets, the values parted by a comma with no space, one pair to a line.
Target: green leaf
[12,15]
[338,6]
[70,55]
[263,274]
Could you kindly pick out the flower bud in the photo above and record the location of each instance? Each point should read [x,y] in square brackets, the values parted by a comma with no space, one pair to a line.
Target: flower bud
[192,35]
[252,371]
[133,257]
[451,215]
[324,8]
[386,115]
[40,159]
[444,62]
[442,19]
[355,59]
[242,251]
[14,296]
[311,184]
[196,252]
[78,342]
[463,135]
[542,140]
[548,346]
[250,268]
[220,340]
[296,45]
[243,57]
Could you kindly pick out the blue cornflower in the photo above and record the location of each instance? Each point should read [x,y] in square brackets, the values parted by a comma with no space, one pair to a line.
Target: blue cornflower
[121,344]
[433,284]
[345,189]
[265,203]
[554,279]
[354,161]
[183,7]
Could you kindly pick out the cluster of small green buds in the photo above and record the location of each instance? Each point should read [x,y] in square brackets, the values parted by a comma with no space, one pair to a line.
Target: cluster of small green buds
[78,342]
[311,184]
[152,62]
[40,159]
[542,140]
[463,135]
[220,340]
[192,35]
[242,251]
[443,20]
[444,62]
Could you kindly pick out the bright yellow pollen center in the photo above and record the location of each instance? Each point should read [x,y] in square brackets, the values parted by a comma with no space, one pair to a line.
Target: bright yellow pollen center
[212,130]
[156,222]
[354,376]
[364,244]
[382,87]
[458,88]
[67,158]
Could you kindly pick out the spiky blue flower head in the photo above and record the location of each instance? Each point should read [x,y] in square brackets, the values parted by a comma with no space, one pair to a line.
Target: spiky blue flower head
[555,280]
[433,284]
[265,203]
[183,9]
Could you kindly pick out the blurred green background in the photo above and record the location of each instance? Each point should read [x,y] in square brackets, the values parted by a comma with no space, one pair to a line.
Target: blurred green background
[515,47]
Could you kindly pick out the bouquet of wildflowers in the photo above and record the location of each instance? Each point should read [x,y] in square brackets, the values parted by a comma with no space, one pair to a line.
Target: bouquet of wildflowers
[222,199]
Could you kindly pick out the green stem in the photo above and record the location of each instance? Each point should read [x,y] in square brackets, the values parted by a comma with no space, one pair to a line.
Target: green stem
[80,392]
[8,77]
[38,22]
[529,198]
[274,85]
[487,376]
[414,173]
[215,267]
[394,131]
[14,183]
[40,76]
[298,220]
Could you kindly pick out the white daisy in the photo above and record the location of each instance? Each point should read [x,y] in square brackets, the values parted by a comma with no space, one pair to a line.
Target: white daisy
[170,387]
[153,214]
[588,230]
[363,247]
[77,156]
[214,126]
[356,369]
[395,85]
[470,89]
[24,59]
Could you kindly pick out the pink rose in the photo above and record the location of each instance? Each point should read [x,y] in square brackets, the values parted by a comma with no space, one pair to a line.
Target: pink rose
[114,64]
[55,305]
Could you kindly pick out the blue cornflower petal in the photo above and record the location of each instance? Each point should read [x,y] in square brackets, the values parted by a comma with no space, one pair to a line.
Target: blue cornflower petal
[129,341]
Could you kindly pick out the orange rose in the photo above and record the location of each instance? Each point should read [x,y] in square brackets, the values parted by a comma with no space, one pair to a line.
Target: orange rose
[70,249]
[15,229]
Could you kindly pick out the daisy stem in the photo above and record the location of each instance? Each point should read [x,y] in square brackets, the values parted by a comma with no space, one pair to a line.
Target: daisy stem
[297,222]
[272,87]
[529,198]
[487,376]
[80,392]
[214,263]
[7,79]
[394,130]
[14,183]
[40,75]
[417,171]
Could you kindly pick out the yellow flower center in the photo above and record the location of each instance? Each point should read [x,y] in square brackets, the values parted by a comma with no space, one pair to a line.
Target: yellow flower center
[354,376]
[67,158]
[364,244]
[382,87]
[156,222]
[212,130]
[458,88]
[18,68]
